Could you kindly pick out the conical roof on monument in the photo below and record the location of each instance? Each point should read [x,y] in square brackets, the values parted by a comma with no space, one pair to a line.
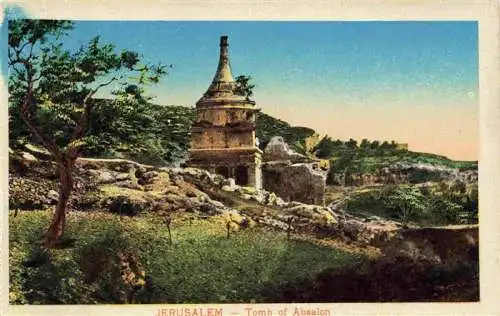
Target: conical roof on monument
[221,90]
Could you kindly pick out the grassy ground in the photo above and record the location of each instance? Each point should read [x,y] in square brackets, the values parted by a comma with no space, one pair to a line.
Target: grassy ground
[199,265]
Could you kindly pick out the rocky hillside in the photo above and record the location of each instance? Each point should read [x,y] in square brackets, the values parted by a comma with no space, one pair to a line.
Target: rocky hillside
[128,189]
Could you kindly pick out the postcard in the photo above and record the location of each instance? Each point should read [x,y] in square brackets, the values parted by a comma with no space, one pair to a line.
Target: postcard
[252,159]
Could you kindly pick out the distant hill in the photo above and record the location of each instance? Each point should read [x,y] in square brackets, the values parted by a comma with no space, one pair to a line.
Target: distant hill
[159,134]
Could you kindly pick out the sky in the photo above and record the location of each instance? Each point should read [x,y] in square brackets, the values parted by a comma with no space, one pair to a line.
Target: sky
[412,82]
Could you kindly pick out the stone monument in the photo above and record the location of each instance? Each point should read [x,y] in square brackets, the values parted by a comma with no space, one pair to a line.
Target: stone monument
[223,135]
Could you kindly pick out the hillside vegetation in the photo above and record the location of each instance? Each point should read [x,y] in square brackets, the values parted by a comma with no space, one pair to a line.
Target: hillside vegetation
[199,265]
[140,234]
[159,134]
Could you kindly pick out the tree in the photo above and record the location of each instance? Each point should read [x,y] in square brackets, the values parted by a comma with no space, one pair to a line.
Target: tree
[243,86]
[53,91]
[364,146]
[352,145]
[325,148]
[406,202]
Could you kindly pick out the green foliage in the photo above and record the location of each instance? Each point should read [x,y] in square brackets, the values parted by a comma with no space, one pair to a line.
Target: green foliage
[243,86]
[41,276]
[55,87]
[327,148]
[440,204]
[145,132]
[210,267]
[404,203]
[268,126]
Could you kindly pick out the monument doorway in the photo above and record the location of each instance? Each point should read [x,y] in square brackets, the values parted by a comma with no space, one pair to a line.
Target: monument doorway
[223,171]
[241,175]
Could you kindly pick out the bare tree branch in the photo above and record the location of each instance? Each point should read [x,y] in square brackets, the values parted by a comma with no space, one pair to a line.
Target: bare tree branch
[27,114]
[28,117]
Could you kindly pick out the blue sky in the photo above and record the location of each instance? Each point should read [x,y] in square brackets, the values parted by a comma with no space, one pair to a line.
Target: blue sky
[375,80]
[336,60]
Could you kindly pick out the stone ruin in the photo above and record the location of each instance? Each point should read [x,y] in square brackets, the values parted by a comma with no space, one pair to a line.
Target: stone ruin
[292,176]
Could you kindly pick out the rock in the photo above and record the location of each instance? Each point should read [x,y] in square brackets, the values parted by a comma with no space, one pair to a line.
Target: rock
[229,185]
[176,179]
[257,197]
[122,176]
[192,171]
[208,208]
[52,195]
[92,172]
[319,215]
[125,205]
[174,198]
[171,189]
[190,194]
[130,185]
[227,188]
[334,205]
[277,149]
[217,204]
[246,196]
[271,199]
[149,176]
[247,190]
[297,182]
[105,177]
[193,204]
[280,202]
[247,222]
[28,157]
[273,223]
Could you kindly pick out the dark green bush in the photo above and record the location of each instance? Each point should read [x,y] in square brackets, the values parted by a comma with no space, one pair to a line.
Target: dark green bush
[122,205]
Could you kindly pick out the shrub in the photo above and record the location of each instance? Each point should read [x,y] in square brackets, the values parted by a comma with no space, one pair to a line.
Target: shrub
[122,205]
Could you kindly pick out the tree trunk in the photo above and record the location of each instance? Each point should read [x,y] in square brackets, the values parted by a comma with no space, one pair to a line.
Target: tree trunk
[56,229]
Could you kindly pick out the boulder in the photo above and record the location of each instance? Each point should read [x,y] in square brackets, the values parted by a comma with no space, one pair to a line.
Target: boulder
[247,190]
[28,157]
[271,199]
[217,204]
[319,215]
[227,188]
[53,196]
[277,149]
[268,221]
[208,208]
[148,177]
[129,184]
[193,204]
[229,185]
[280,202]
[246,196]
[104,177]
